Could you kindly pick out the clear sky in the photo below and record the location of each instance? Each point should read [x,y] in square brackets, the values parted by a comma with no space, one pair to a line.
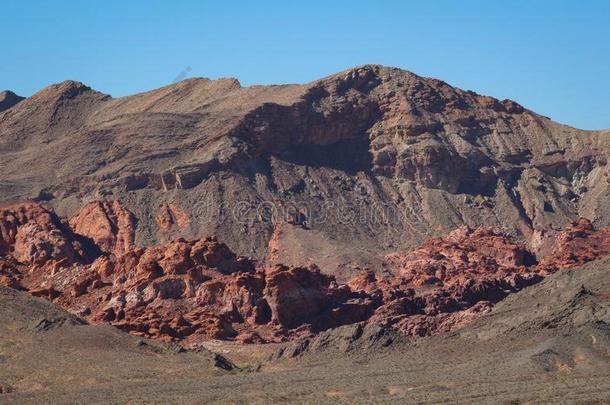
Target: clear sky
[551,56]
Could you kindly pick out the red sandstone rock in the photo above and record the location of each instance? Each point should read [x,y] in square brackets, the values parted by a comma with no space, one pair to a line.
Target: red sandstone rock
[190,291]
[9,273]
[464,253]
[295,293]
[577,244]
[273,247]
[108,223]
[34,235]
[170,216]
[36,244]
[375,286]
[183,289]
[304,296]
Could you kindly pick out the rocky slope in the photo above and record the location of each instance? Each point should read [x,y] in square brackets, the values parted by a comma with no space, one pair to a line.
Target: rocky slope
[556,354]
[372,160]
[194,291]
[44,349]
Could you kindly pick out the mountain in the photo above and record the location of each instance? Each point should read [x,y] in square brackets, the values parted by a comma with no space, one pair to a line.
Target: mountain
[381,236]
[338,172]
[8,99]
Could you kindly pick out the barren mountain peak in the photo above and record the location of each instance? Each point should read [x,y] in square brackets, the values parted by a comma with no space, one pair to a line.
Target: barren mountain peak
[65,89]
[7,93]
[441,157]
[377,69]
[8,99]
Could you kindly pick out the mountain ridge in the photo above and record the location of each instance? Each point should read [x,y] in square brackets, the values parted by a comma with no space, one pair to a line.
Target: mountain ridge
[439,156]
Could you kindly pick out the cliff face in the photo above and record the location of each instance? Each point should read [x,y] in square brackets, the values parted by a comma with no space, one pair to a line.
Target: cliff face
[371,160]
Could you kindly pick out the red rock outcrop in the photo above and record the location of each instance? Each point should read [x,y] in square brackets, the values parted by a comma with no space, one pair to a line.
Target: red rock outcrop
[464,254]
[10,276]
[170,215]
[167,292]
[190,291]
[303,296]
[273,247]
[108,223]
[579,243]
[184,290]
[31,234]
[455,279]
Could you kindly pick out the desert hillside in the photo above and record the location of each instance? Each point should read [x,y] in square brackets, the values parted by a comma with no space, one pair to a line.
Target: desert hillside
[376,235]
[374,159]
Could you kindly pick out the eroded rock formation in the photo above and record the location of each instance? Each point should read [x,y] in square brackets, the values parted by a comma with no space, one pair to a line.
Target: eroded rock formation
[577,244]
[171,216]
[34,235]
[191,291]
[109,224]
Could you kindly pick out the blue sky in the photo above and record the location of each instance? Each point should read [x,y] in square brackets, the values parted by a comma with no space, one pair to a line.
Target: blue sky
[551,56]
